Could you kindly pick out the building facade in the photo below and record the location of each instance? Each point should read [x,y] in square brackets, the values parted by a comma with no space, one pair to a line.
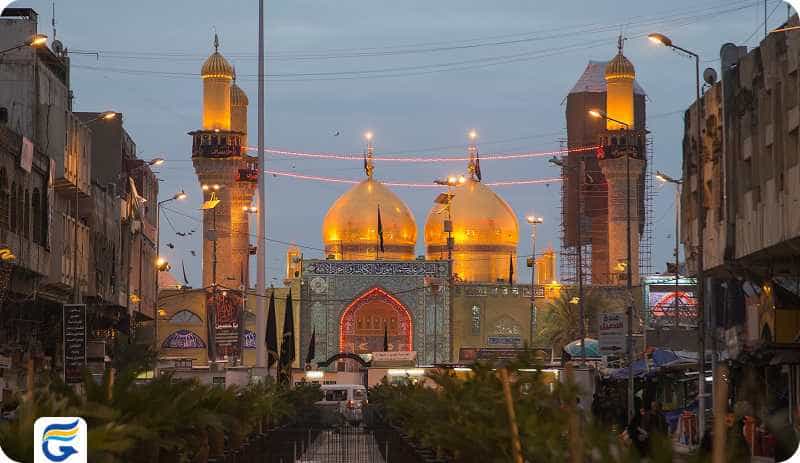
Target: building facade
[60,212]
[750,166]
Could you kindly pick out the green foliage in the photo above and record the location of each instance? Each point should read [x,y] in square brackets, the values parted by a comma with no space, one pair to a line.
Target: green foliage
[559,323]
[465,418]
[165,419]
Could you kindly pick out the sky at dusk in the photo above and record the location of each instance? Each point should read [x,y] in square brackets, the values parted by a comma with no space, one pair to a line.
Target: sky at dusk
[418,73]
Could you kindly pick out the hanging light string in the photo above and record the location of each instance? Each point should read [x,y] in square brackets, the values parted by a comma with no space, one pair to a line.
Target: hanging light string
[410,159]
[348,181]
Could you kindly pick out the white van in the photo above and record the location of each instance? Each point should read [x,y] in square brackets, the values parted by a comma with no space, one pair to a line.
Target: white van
[347,399]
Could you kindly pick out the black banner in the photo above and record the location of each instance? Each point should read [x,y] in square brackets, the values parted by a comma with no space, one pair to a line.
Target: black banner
[74,342]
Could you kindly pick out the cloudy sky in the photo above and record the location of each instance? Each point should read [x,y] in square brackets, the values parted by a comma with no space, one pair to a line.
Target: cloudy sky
[418,73]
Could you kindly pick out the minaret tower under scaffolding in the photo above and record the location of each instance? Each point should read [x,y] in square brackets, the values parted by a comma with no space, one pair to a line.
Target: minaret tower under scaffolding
[622,161]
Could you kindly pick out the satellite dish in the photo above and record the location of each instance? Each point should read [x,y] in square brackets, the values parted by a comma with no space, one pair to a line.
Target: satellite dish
[58,47]
[710,76]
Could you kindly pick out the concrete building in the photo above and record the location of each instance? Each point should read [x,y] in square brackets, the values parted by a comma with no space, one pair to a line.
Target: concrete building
[115,164]
[750,164]
[61,207]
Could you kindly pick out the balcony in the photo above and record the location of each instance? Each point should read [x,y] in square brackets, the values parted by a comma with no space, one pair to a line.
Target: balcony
[216,144]
[62,275]
[73,171]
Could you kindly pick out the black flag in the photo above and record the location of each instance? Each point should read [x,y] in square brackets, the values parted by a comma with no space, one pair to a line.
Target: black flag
[272,333]
[380,230]
[366,164]
[385,338]
[477,165]
[287,344]
[510,269]
[312,347]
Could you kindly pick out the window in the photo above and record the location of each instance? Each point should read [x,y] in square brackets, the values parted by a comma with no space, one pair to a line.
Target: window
[3,198]
[13,208]
[476,320]
[45,220]
[26,214]
[36,210]
[186,317]
[335,395]
[20,210]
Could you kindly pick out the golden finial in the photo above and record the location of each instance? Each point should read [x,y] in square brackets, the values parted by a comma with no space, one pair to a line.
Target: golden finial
[472,149]
[369,165]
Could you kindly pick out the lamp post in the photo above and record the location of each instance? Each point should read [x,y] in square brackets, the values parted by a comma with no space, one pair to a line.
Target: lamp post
[180,195]
[261,241]
[578,228]
[533,221]
[211,204]
[628,262]
[34,41]
[451,181]
[677,182]
[244,287]
[701,218]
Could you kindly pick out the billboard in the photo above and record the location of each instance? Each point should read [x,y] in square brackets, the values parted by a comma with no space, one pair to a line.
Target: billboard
[226,310]
[662,297]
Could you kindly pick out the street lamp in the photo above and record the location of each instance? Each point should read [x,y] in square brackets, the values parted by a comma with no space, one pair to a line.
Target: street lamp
[211,204]
[178,196]
[596,113]
[578,226]
[34,41]
[104,116]
[677,182]
[701,218]
[533,221]
[162,265]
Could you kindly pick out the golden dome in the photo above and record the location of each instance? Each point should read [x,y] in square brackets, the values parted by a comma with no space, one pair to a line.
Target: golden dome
[620,68]
[216,65]
[485,233]
[350,228]
[238,96]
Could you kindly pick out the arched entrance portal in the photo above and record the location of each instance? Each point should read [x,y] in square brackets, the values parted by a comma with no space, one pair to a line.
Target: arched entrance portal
[366,319]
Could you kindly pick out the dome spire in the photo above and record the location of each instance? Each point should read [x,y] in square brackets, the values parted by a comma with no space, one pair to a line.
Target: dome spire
[216,42]
[620,43]
[474,166]
[369,163]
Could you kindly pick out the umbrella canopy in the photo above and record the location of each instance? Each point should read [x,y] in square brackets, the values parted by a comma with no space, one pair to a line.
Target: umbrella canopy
[573,349]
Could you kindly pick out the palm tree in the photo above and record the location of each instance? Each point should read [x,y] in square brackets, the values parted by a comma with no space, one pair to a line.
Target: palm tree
[560,321]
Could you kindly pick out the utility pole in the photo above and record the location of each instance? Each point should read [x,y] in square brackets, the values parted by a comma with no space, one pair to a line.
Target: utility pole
[261,242]
[579,230]
[534,221]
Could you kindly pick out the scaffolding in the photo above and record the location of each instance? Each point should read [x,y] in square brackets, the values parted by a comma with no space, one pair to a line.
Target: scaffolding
[568,268]
[646,238]
[568,262]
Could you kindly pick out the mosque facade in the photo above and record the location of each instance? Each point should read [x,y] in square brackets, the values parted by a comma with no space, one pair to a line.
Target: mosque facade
[370,292]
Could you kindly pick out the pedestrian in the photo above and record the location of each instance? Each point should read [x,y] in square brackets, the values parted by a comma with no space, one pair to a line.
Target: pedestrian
[638,436]
[657,422]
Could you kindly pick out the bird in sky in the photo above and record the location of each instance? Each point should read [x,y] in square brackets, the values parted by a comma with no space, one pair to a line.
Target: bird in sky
[337,133]
[193,253]
[170,245]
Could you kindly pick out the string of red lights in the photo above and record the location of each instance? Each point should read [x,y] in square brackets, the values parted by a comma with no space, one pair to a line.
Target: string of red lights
[348,181]
[433,159]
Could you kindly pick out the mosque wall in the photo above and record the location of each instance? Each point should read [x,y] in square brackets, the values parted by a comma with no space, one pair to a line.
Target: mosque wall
[328,288]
